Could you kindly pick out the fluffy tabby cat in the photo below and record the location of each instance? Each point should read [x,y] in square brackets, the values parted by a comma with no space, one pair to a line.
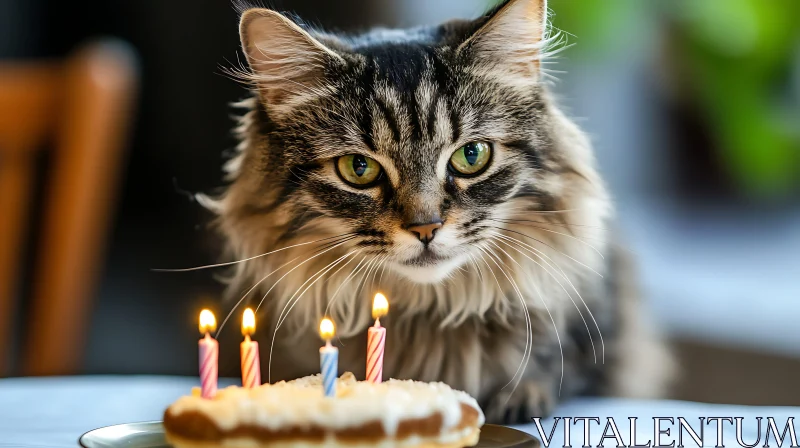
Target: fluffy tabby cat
[430,164]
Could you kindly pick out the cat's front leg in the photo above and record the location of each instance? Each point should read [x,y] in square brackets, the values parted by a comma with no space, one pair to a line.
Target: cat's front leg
[531,398]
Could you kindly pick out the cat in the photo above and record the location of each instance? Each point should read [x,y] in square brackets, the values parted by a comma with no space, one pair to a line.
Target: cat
[433,165]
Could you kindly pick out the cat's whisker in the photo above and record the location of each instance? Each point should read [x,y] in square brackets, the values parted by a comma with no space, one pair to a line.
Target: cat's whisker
[298,265]
[542,255]
[597,238]
[229,263]
[364,273]
[376,268]
[580,313]
[566,210]
[491,271]
[330,302]
[491,241]
[551,247]
[528,208]
[261,302]
[239,302]
[327,307]
[360,267]
[568,226]
[547,73]
[383,269]
[352,316]
[379,268]
[524,207]
[339,334]
[477,267]
[355,270]
[373,269]
[512,220]
[555,328]
[528,334]
[294,299]
[529,329]
[459,273]
[571,237]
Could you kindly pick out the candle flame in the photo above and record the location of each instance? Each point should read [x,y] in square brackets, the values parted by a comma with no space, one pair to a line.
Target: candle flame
[248,322]
[380,306]
[208,322]
[326,329]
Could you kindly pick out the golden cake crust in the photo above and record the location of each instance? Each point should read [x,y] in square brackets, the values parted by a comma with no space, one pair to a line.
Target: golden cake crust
[469,439]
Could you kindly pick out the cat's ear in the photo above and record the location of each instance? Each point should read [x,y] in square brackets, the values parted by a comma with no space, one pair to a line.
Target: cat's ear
[286,61]
[511,36]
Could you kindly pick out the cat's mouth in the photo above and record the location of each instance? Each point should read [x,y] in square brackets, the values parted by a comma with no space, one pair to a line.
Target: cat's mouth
[426,258]
[428,266]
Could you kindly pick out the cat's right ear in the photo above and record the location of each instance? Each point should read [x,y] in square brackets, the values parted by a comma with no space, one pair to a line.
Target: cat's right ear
[511,38]
[287,63]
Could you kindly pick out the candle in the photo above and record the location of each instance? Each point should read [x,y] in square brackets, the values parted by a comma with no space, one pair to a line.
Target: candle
[251,365]
[376,339]
[209,355]
[328,358]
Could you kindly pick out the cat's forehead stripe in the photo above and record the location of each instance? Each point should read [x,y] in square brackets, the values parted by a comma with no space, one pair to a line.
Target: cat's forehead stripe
[442,117]
[426,99]
[402,114]
[384,124]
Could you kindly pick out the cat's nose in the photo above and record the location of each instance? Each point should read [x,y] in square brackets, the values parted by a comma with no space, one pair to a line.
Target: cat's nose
[425,232]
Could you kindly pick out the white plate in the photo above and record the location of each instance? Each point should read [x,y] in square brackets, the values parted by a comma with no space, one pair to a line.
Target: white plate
[151,435]
[132,435]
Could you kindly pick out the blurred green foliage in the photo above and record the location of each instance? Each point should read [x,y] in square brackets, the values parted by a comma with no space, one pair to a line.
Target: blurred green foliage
[596,24]
[742,61]
[743,57]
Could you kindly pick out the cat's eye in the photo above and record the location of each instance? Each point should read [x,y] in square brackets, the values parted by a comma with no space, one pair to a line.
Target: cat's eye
[471,158]
[357,170]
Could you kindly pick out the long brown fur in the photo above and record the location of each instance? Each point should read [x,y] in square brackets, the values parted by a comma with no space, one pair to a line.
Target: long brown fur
[534,302]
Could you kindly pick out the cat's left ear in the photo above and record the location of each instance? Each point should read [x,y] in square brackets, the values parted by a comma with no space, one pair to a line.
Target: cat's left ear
[511,36]
[287,62]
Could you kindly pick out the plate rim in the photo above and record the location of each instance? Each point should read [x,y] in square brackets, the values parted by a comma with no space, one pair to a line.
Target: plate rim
[80,439]
[161,422]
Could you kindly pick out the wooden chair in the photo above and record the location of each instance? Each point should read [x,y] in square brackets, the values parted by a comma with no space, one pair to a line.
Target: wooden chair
[80,109]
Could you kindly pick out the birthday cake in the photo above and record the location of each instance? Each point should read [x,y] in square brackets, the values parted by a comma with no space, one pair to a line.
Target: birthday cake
[395,413]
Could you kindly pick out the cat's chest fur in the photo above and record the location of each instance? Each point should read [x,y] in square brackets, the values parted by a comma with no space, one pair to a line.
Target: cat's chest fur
[480,354]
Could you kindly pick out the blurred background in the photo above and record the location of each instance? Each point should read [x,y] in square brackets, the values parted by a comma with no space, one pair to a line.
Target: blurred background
[112,113]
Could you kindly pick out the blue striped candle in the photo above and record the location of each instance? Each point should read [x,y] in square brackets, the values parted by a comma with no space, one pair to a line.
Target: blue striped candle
[328,358]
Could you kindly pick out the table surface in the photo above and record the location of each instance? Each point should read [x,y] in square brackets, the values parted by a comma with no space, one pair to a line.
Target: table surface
[54,412]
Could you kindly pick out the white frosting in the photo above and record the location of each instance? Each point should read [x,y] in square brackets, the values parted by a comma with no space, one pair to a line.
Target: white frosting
[301,403]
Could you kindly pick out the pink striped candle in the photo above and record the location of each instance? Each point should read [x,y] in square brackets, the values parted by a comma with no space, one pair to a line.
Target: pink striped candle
[209,355]
[251,364]
[376,340]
